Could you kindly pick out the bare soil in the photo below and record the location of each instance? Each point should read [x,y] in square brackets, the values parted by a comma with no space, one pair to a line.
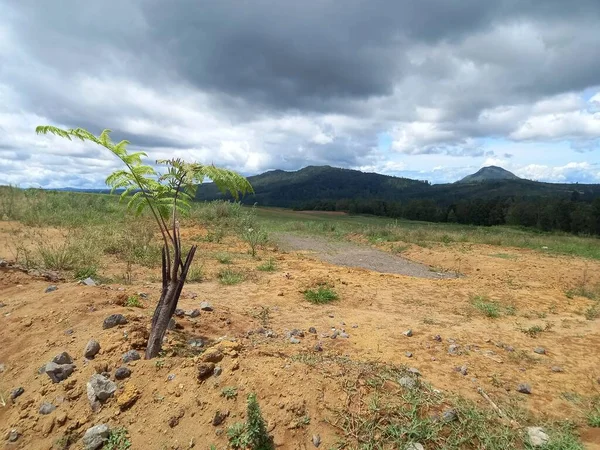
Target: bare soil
[35,326]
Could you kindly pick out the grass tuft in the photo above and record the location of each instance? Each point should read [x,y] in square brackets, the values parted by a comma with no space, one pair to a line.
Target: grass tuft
[321,295]
[268,266]
[230,277]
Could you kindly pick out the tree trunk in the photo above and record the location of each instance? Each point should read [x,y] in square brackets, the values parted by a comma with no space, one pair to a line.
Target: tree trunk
[167,304]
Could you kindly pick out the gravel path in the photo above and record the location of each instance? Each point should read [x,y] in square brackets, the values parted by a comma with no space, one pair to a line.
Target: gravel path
[353,255]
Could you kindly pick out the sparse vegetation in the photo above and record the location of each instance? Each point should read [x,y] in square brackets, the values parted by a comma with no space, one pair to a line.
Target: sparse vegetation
[320,295]
[230,277]
[118,439]
[229,392]
[224,258]
[195,274]
[487,307]
[252,434]
[133,301]
[268,266]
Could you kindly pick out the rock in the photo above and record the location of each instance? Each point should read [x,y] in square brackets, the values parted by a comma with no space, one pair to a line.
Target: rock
[318,347]
[218,371]
[172,324]
[62,358]
[407,382]
[540,350]
[414,371]
[524,388]
[2,304]
[212,355]
[219,418]
[312,330]
[46,408]
[462,370]
[113,320]
[91,349]
[556,369]
[296,333]
[13,435]
[408,354]
[58,372]
[270,334]
[2,368]
[344,335]
[453,349]
[193,313]
[88,282]
[415,446]
[16,393]
[509,348]
[179,312]
[51,288]
[196,343]
[131,355]
[171,377]
[449,415]
[128,396]
[99,388]
[122,372]
[61,419]
[69,332]
[536,436]
[408,333]
[295,340]
[95,437]
[354,326]
[205,306]
[335,334]
[316,440]
[437,338]
[205,370]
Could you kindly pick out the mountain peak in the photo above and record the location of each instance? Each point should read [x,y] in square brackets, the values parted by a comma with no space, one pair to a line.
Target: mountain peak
[489,173]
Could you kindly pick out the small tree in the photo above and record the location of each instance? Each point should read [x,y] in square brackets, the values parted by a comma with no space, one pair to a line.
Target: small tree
[166,195]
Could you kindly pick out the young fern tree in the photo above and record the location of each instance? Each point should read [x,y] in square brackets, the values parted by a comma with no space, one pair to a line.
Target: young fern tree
[166,195]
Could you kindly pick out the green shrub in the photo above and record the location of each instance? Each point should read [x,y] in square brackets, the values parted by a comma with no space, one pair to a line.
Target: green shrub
[268,266]
[118,439]
[133,301]
[224,258]
[321,295]
[230,277]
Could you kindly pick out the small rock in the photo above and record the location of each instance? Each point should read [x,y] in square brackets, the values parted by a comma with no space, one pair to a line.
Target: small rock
[88,282]
[344,335]
[354,326]
[58,372]
[113,320]
[205,370]
[294,340]
[122,372]
[536,436]
[95,437]
[437,338]
[462,369]
[316,440]
[2,368]
[218,371]
[312,330]
[408,354]
[509,348]
[16,393]
[205,306]
[219,418]
[69,332]
[335,334]
[179,312]
[196,343]
[62,358]
[171,377]
[172,324]
[131,355]
[99,388]
[212,355]
[91,349]
[540,350]
[46,408]
[51,288]
[414,371]
[415,446]
[318,347]
[408,333]
[407,382]
[556,369]
[2,304]
[524,388]
[13,435]
[127,397]
[270,334]
[296,333]
[449,415]
[193,313]
[453,349]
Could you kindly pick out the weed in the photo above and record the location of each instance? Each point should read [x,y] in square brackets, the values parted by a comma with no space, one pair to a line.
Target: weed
[321,295]
[238,438]
[593,312]
[230,277]
[86,272]
[229,392]
[268,266]
[252,434]
[399,249]
[488,308]
[536,330]
[159,363]
[224,258]
[302,422]
[593,415]
[255,237]
[264,315]
[65,441]
[118,439]
[195,274]
[133,301]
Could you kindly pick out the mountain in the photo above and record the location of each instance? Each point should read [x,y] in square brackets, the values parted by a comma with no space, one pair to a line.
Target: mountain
[490,173]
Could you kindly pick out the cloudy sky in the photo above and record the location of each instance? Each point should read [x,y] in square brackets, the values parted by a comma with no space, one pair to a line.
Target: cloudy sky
[433,89]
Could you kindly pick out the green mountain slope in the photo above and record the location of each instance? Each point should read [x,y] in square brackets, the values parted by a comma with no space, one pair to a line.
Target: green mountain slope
[490,173]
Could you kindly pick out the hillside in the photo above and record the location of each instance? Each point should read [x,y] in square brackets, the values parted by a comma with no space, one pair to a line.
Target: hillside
[490,173]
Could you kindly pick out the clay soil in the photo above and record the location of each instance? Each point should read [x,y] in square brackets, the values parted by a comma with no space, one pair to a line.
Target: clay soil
[374,308]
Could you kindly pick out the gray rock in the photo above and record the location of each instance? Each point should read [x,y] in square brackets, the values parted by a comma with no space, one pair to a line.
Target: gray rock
[88,282]
[296,333]
[344,335]
[335,334]
[414,371]
[95,437]
[113,320]
[318,347]
[437,338]
[407,382]
[69,332]
[536,436]
[196,343]
[2,368]
[179,312]
[540,350]
[219,418]
[270,334]
[172,324]
[556,369]
[524,388]
[193,313]
[51,288]
[58,372]
[294,340]
[100,388]
[205,306]
[218,371]
[91,349]
[16,393]
[122,372]
[2,304]
[13,435]
[415,446]
[46,408]
[408,333]
[408,354]
[312,330]
[354,326]
[509,348]
[449,415]
[131,355]
[453,349]
[462,370]
[171,377]
[62,358]
[316,440]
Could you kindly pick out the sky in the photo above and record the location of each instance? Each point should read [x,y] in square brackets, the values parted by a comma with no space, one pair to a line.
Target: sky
[433,89]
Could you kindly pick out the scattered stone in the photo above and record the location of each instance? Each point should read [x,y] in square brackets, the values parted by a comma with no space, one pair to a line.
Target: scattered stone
[99,389]
[316,440]
[414,371]
[88,282]
[408,333]
[69,332]
[58,372]
[407,382]
[449,415]
[13,435]
[171,377]
[218,371]
[294,340]
[113,320]
[193,313]
[415,446]
[16,393]
[122,372]
[128,396]
[62,358]
[46,408]
[344,335]
[196,343]
[524,388]
[408,354]
[51,288]
[205,306]
[220,418]
[462,369]
[212,355]
[270,334]
[453,349]
[296,333]
[318,347]
[172,324]
[437,338]
[2,368]
[205,370]
[540,350]
[509,348]
[179,312]
[335,334]
[536,436]
[131,355]
[331,316]
[91,349]
[556,369]
[95,437]
[2,304]
[312,330]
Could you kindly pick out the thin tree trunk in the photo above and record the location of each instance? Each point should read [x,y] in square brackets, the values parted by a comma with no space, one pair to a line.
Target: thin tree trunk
[167,304]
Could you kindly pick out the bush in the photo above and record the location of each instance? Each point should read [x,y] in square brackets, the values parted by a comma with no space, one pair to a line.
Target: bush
[229,277]
[253,434]
[321,295]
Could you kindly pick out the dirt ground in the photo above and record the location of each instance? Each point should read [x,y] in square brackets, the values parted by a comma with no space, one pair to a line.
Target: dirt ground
[175,411]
